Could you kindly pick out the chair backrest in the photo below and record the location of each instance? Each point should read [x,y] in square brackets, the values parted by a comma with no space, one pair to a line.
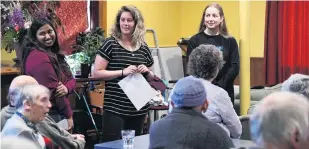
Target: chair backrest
[245,122]
[168,62]
[171,63]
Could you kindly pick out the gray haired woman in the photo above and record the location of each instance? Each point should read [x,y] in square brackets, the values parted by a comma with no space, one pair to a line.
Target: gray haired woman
[205,61]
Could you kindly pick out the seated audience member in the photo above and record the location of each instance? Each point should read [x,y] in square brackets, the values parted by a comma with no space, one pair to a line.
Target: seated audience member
[8,111]
[186,126]
[281,121]
[294,77]
[32,104]
[19,143]
[298,85]
[48,127]
[205,62]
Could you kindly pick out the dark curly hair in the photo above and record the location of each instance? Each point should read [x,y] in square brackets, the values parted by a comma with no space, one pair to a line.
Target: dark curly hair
[300,86]
[205,62]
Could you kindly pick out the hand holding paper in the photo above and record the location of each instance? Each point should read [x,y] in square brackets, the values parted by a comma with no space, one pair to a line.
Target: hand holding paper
[137,89]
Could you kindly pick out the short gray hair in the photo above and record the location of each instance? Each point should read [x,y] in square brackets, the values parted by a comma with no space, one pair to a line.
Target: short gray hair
[278,115]
[205,61]
[29,92]
[301,87]
[294,77]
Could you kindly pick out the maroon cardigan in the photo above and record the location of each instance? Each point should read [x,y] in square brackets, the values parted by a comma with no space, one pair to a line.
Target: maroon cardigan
[38,65]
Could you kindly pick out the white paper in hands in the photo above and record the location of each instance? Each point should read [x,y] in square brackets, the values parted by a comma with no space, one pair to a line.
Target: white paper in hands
[137,89]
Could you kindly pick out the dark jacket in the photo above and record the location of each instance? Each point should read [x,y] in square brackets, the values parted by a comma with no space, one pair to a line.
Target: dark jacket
[187,129]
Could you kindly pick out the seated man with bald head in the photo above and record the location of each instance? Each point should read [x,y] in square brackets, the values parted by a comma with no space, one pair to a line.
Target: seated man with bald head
[48,127]
[32,104]
[281,121]
[8,111]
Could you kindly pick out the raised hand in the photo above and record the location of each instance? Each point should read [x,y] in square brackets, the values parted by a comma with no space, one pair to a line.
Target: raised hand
[129,70]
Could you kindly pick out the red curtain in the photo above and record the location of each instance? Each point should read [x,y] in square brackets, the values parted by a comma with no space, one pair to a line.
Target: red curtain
[286,49]
[73,16]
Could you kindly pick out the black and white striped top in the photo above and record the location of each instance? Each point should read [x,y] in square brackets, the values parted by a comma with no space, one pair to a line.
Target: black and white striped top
[115,100]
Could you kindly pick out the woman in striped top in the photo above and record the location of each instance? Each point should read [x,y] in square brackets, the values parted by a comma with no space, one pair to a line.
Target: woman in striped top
[122,54]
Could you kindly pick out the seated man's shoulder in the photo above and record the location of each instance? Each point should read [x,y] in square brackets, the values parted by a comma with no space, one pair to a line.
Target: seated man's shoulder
[4,109]
[211,135]
[216,131]
[206,127]
[15,122]
[159,123]
[47,121]
[169,122]
[208,124]
[213,130]
[47,126]
[14,129]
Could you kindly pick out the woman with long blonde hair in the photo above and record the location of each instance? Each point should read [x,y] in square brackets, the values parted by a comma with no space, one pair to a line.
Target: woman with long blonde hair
[213,30]
[122,54]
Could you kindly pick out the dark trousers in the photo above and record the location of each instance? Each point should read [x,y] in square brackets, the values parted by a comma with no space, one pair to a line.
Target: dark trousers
[113,124]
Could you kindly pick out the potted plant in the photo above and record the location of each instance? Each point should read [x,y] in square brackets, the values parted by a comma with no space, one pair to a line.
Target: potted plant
[87,45]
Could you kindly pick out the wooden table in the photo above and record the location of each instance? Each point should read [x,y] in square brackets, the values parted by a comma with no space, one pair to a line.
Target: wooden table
[156,109]
[9,68]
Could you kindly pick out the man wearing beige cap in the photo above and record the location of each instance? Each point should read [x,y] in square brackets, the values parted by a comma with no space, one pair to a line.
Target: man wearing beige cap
[186,126]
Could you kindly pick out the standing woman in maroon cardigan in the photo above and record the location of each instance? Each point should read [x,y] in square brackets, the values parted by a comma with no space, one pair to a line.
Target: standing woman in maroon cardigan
[41,59]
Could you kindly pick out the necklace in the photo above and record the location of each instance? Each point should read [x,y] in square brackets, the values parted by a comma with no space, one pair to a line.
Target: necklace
[132,52]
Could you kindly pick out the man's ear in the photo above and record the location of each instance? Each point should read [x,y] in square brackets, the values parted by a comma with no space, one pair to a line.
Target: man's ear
[205,106]
[295,139]
[27,104]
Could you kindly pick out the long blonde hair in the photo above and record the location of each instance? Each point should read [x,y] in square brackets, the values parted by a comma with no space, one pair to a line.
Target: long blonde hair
[139,30]
[222,27]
